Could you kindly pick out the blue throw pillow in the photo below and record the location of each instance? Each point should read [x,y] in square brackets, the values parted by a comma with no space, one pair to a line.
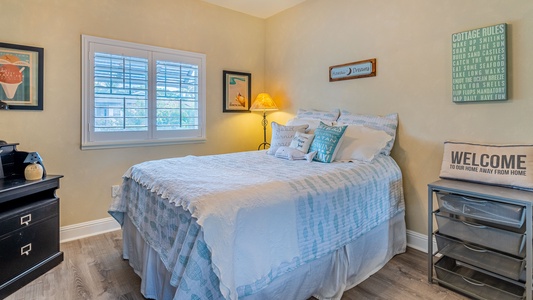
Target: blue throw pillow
[327,141]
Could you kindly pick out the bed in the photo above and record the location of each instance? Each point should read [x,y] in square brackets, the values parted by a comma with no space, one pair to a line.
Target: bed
[249,225]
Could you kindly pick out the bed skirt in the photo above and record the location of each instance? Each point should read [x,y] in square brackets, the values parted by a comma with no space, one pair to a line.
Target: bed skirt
[324,278]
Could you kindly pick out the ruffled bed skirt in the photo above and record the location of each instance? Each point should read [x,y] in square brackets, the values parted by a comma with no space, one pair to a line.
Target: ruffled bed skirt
[324,278]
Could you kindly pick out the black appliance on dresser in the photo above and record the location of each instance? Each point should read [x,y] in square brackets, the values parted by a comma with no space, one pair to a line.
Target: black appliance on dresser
[29,222]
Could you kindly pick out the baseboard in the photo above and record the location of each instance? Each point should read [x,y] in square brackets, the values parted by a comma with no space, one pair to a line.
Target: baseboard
[419,241]
[87,229]
[415,240]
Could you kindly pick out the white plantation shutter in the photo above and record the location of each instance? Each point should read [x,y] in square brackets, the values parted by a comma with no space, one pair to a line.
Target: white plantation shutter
[120,93]
[137,95]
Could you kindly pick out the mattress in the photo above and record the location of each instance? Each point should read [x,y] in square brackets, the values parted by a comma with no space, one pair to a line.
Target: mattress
[231,224]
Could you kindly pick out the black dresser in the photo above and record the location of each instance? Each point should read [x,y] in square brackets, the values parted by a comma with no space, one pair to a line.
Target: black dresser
[29,223]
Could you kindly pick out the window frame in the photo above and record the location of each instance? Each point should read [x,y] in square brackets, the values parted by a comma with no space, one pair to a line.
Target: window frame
[101,140]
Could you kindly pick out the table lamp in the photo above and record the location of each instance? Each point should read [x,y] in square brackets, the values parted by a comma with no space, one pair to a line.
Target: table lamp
[263,102]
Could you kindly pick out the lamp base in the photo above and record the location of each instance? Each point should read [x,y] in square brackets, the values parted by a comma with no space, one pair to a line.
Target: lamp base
[263,145]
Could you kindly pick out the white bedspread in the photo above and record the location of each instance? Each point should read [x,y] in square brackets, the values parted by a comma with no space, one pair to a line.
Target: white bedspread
[259,213]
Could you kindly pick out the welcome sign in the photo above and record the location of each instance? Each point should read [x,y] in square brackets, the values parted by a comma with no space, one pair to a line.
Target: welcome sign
[508,165]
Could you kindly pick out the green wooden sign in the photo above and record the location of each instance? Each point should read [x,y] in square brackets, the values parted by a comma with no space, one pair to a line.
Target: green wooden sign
[479,64]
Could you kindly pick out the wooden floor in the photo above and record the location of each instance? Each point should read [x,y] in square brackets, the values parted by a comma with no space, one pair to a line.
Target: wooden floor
[93,269]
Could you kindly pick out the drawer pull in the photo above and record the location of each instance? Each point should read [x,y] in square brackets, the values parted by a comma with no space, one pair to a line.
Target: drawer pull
[473,282]
[25,250]
[474,225]
[25,220]
[475,249]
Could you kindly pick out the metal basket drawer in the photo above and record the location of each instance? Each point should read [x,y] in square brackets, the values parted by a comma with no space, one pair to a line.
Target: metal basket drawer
[495,262]
[494,238]
[455,275]
[490,211]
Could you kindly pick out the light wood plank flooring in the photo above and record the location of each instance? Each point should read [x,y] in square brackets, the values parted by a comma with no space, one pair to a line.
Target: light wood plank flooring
[94,269]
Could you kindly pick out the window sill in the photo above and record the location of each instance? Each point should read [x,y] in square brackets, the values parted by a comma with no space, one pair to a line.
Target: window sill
[133,144]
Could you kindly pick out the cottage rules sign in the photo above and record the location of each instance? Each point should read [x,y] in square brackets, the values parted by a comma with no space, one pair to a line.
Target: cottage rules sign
[479,64]
[358,69]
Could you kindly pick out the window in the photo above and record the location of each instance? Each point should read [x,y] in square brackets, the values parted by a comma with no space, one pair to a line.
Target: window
[135,95]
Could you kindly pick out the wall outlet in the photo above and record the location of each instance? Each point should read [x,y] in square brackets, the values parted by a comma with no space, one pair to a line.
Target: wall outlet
[115,190]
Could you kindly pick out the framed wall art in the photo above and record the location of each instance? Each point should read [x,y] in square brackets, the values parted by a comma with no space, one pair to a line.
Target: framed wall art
[21,76]
[237,91]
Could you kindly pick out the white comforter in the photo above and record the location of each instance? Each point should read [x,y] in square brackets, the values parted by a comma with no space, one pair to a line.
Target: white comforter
[262,215]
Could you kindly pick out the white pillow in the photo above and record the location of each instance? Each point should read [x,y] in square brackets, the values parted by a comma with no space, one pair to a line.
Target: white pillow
[361,143]
[312,123]
[293,154]
[387,123]
[318,114]
[302,141]
[282,136]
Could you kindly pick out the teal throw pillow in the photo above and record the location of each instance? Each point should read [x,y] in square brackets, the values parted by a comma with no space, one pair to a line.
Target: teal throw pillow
[327,142]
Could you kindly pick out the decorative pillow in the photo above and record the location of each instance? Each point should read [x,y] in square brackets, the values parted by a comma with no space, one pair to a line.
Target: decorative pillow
[387,123]
[313,123]
[294,154]
[318,114]
[327,142]
[507,165]
[361,143]
[282,136]
[302,141]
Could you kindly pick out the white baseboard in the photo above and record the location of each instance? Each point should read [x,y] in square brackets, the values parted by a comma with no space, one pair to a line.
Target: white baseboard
[87,229]
[419,241]
[68,233]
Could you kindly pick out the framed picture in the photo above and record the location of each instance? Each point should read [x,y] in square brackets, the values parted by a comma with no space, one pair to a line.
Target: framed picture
[237,90]
[21,76]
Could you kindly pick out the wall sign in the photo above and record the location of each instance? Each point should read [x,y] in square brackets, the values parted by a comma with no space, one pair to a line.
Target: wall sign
[479,64]
[358,69]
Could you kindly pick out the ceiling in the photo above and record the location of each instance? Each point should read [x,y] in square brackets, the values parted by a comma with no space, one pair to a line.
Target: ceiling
[258,8]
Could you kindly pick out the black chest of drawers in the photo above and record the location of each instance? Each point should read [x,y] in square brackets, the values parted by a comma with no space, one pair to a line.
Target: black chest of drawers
[29,230]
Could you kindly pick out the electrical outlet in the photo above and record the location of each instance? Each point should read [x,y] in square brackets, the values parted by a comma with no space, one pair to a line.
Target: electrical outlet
[115,189]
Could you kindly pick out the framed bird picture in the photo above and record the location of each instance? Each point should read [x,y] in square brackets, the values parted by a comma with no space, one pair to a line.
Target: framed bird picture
[237,90]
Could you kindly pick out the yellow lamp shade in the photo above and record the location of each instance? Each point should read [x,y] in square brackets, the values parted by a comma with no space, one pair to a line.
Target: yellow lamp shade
[263,102]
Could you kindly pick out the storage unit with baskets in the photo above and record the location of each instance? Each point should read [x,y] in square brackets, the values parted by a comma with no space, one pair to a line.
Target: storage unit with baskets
[484,239]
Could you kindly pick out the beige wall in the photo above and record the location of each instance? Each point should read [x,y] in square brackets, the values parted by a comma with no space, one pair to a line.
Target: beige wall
[411,40]
[288,55]
[231,41]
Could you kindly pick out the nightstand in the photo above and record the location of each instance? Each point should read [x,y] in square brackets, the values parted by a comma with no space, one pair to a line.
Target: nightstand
[484,239]
[29,230]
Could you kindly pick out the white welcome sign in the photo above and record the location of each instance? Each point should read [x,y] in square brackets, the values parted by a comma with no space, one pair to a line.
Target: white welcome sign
[507,165]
